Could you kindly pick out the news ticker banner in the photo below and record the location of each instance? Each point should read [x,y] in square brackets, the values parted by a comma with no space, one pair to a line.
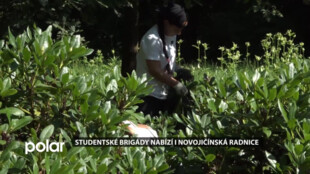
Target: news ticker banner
[166,142]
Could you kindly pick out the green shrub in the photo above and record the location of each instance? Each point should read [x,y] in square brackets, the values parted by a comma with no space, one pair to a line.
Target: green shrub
[42,98]
[48,90]
[271,104]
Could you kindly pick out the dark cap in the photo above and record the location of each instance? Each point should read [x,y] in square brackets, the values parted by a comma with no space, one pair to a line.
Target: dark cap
[174,13]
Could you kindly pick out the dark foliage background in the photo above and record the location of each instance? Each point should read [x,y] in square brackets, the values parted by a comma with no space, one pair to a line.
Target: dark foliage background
[119,24]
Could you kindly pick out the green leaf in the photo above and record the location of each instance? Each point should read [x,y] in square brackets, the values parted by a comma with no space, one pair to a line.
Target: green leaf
[81,129]
[211,105]
[116,118]
[49,60]
[247,78]
[76,41]
[56,166]
[68,168]
[103,168]
[48,30]
[29,33]
[47,132]
[307,136]
[177,118]
[210,157]
[297,80]
[6,153]
[12,39]
[73,151]
[35,168]
[131,84]
[299,148]
[196,118]
[291,70]
[128,155]
[112,165]
[239,96]
[93,164]
[20,40]
[295,96]
[221,87]
[81,85]
[44,87]
[20,164]
[306,125]
[223,106]
[37,50]
[272,94]
[241,81]
[2,142]
[256,76]
[6,85]
[116,72]
[292,110]
[84,107]
[65,135]
[205,120]
[102,4]
[163,167]
[8,92]
[255,122]
[291,92]
[271,159]
[265,89]
[158,160]
[260,81]
[267,131]
[283,112]
[282,91]
[289,146]
[20,123]
[12,111]
[34,136]
[291,123]
[219,124]
[64,75]
[1,43]
[7,56]
[259,93]
[79,52]
[288,134]
[233,150]
[47,164]
[112,86]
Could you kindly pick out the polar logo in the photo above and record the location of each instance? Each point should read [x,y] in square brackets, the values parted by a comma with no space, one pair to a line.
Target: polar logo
[41,147]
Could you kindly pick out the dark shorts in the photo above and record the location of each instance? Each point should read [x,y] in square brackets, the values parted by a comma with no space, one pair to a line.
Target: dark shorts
[153,105]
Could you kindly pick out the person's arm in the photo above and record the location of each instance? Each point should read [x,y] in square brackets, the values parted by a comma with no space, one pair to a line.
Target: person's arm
[155,70]
[152,48]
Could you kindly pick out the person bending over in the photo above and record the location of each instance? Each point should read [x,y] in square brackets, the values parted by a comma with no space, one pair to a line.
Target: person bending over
[156,59]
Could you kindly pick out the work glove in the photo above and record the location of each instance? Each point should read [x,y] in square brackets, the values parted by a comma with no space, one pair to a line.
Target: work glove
[180,89]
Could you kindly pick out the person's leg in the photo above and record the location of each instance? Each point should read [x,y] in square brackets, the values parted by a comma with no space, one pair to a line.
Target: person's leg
[152,106]
[172,102]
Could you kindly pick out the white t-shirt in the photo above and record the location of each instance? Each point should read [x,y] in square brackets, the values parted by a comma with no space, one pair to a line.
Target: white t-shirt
[151,48]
